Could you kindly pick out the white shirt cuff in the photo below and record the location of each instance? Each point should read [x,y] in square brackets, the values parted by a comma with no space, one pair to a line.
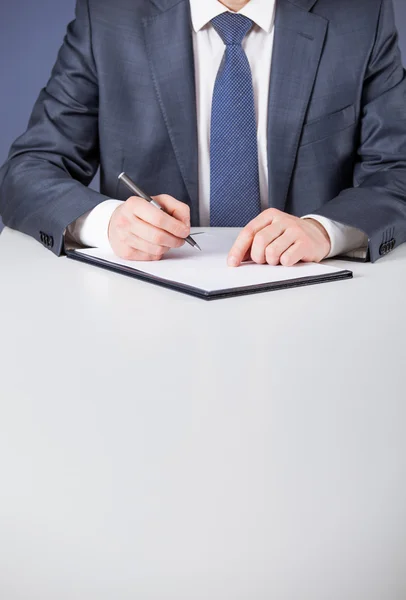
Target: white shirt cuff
[345,240]
[91,229]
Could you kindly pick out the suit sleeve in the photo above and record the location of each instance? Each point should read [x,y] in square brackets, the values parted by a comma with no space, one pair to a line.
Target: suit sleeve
[377,202]
[43,185]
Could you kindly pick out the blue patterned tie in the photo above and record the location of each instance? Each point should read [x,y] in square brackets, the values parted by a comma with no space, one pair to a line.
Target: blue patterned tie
[234,174]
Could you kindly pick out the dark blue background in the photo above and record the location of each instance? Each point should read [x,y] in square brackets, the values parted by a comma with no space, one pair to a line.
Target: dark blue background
[31,32]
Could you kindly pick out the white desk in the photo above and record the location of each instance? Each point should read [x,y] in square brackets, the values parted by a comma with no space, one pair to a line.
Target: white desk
[154,446]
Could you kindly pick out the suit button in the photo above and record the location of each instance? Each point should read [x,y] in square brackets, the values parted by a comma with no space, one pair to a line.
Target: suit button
[383,249]
[392,244]
[46,239]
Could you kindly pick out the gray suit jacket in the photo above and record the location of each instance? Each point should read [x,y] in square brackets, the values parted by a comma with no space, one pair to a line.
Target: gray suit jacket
[122,96]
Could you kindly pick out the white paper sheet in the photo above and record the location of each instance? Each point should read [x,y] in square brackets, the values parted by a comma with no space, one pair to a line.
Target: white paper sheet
[208,270]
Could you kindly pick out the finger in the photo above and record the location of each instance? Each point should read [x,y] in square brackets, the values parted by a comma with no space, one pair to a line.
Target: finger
[247,255]
[244,240]
[293,254]
[175,208]
[150,214]
[138,243]
[152,234]
[274,251]
[262,240]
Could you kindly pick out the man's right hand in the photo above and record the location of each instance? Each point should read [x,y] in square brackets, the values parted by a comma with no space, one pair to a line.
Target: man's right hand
[140,231]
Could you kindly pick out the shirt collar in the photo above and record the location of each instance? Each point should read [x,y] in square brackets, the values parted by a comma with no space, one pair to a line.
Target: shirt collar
[261,12]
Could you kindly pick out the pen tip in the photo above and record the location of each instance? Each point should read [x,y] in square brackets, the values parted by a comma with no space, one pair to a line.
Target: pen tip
[198,247]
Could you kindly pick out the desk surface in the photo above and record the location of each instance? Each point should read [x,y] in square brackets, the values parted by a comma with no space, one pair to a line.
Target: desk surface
[158,447]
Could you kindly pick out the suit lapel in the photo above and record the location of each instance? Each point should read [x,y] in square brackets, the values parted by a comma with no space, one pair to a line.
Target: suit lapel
[168,38]
[298,44]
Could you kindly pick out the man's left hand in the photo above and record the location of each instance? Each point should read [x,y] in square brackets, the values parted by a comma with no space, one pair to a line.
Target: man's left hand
[274,237]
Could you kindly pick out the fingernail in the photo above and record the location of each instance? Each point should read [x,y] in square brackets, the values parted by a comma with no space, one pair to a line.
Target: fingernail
[232,261]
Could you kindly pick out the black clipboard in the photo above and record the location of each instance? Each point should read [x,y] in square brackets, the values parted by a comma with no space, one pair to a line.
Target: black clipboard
[203,294]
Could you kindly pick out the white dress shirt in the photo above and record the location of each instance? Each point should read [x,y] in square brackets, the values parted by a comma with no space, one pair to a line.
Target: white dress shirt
[91,229]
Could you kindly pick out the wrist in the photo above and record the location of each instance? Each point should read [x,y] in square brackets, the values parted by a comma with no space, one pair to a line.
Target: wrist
[326,241]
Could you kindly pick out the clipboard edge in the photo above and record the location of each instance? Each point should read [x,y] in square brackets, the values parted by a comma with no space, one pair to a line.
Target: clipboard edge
[203,294]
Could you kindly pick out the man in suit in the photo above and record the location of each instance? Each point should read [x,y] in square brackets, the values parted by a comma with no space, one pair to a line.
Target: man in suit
[284,117]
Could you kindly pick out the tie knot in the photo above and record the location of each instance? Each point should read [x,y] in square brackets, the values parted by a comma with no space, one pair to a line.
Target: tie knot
[232,27]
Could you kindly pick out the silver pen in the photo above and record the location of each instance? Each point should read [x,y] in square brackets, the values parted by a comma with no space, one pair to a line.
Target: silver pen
[138,192]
